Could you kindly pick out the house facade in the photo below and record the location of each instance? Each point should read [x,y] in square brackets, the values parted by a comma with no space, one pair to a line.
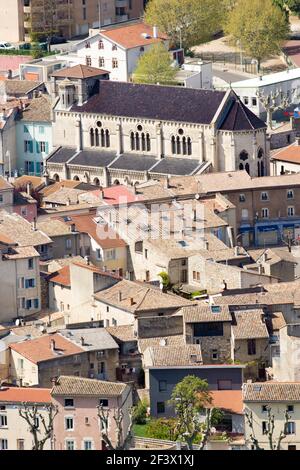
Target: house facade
[78,426]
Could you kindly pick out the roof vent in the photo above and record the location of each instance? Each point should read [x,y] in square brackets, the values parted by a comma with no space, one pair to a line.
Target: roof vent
[146,35]
[215,309]
[163,342]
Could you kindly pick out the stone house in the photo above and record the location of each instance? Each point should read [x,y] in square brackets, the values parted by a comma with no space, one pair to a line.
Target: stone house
[65,238]
[78,352]
[209,326]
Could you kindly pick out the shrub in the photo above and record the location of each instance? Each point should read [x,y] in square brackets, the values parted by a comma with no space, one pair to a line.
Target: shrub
[140,412]
[162,428]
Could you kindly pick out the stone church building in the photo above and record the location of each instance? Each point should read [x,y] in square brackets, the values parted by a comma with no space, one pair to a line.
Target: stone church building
[107,132]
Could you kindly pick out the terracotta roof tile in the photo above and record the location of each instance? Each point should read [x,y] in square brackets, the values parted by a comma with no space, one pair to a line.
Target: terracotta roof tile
[271,392]
[78,386]
[206,313]
[62,277]
[137,298]
[4,184]
[228,400]
[249,325]
[39,349]
[21,395]
[172,341]
[132,36]
[80,71]
[164,356]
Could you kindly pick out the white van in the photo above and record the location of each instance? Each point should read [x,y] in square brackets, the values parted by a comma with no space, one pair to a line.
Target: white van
[6,45]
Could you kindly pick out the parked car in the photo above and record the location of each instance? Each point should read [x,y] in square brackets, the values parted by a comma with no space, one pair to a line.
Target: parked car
[6,46]
[58,40]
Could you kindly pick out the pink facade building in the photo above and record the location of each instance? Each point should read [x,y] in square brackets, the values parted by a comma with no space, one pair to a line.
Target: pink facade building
[77,425]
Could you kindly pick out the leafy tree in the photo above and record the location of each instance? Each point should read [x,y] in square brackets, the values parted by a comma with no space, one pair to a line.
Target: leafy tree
[261,36]
[186,22]
[288,5]
[40,426]
[191,398]
[165,280]
[139,415]
[155,66]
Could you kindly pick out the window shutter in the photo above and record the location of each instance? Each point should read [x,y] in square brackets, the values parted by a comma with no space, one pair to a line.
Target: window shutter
[37,147]
[47,147]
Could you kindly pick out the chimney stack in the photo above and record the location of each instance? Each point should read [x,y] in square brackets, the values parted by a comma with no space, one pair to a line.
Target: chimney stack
[28,189]
[52,345]
[82,341]
[34,224]
[206,245]
[102,195]
[236,251]
[131,301]
[72,228]
[155,32]
[167,182]
[87,260]
[120,296]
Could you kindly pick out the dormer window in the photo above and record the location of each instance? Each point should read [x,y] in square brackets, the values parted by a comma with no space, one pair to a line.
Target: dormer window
[100,44]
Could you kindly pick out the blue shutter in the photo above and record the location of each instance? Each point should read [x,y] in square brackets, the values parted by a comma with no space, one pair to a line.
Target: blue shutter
[31,146]
[36,303]
[47,147]
[37,147]
[26,284]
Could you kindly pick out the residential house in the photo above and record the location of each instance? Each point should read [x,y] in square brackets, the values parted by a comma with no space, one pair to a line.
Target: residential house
[14,430]
[64,237]
[71,19]
[34,136]
[285,353]
[130,363]
[5,341]
[230,402]
[25,205]
[24,234]
[103,246]
[286,160]
[6,195]
[282,398]
[19,89]
[280,262]
[128,302]
[165,366]
[78,426]
[8,146]
[20,280]
[250,342]
[209,326]
[86,353]
[118,49]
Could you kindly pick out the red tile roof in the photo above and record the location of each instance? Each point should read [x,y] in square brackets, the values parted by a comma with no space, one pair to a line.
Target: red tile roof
[62,277]
[289,154]
[132,36]
[292,50]
[80,71]
[39,349]
[28,395]
[12,62]
[86,224]
[118,194]
[228,400]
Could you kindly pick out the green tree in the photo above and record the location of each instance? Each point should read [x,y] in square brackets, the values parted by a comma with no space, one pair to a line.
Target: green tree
[287,6]
[139,415]
[191,399]
[260,27]
[186,22]
[155,66]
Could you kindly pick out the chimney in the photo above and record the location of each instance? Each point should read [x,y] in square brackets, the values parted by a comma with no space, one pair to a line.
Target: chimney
[28,189]
[260,269]
[34,224]
[68,201]
[54,381]
[82,341]
[155,32]
[236,251]
[167,182]
[194,215]
[87,260]
[52,345]
[102,194]
[120,296]
[72,228]
[104,269]
[206,245]
[131,301]
[298,140]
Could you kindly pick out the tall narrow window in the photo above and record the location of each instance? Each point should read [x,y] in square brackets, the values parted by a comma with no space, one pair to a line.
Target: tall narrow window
[92,137]
[148,143]
[107,138]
